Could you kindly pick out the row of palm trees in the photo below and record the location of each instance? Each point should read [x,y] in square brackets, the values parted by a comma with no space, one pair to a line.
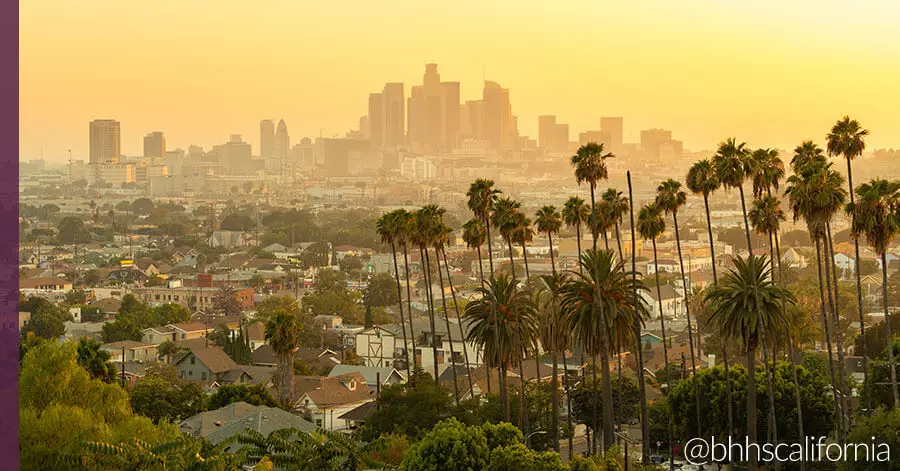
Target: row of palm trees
[512,318]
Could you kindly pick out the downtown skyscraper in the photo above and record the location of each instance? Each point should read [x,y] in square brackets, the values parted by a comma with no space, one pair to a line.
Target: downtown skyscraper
[387,117]
[155,144]
[267,139]
[105,141]
[434,113]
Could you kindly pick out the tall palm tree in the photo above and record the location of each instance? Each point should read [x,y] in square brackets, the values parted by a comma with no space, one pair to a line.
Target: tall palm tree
[549,221]
[459,322]
[283,334]
[504,219]
[669,198]
[601,304]
[651,224]
[831,280]
[743,305]
[388,227]
[500,337]
[806,153]
[554,336]
[702,179]
[482,196]
[733,166]
[602,219]
[767,170]
[439,239]
[425,225]
[475,235]
[575,213]
[765,217]
[405,224]
[875,214]
[638,347]
[522,235]
[590,166]
[617,205]
[847,138]
[815,193]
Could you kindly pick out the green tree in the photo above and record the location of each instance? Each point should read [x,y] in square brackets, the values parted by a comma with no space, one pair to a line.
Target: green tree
[224,302]
[883,426]
[517,457]
[283,334]
[449,446]
[48,321]
[142,206]
[575,213]
[71,231]
[95,360]
[161,395]
[411,409]
[255,394]
[294,449]
[382,290]
[170,313]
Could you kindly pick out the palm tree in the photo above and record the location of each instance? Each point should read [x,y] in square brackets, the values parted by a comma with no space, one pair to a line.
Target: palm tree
[482,197]
[815,193]
[617,205]
[459,322]
[549,221]
[474,235]
[669,198]
[601,304]
[291,448]
[504,219]
[702,179]
[554,336]
[766,171]
[651,224]
[425,222]
[639,351]
[806,153]
[440,234]
[590,166]
[847,138]
[388,228]
[500,320]
[523,234]
[744,305]
[575,213]
[405,225]
[875,214]
[283,334]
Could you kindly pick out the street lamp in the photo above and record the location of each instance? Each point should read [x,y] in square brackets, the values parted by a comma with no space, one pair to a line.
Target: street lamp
[625,439]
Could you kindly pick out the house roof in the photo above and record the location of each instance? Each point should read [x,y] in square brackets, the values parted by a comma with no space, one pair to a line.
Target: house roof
[369,373]
[264,420]
[255,374]
[334,391]
[264,355]
[126,344]
[667,293]
[189,326]
[108,305]
[256,331]
[215,359]
[26,283]
[361,412]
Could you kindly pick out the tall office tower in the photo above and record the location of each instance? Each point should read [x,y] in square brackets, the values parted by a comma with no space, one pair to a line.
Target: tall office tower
[653,139]
[434,113]
[595,136]
[394,103]
[613,126]
[546,128]
[496,115]
[470,120]
[364,127]
[266,138]
[377,123]
[155,144]
[282,141]
[450,115]
[105,138]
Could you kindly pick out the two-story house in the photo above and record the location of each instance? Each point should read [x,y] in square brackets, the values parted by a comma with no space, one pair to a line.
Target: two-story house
[134,351]
[672,302]
[205,363]
[325,400]
[175,332]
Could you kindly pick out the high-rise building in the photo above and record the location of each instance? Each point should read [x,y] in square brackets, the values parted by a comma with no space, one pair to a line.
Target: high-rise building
[376,120]
[595,136]
[155,145]
[450,115]
[652,139]
[266,138]
[434,120]
[496,116]
[282,141]
[613,126]
[470,120]
[105,141]
[394,103]
[552,136]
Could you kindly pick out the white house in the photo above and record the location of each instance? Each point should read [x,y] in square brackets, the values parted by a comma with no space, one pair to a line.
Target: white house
[371,374]
[672,302]
[845,263]
[327,399]
[665,266]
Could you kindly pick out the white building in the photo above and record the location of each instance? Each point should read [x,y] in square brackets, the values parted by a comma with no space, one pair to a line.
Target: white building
[418,168]
[326,399]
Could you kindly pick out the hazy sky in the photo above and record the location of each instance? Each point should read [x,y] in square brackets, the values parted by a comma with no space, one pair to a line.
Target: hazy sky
[769,72]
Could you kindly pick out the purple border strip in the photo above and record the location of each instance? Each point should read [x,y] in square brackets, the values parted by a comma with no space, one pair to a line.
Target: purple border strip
[9,235]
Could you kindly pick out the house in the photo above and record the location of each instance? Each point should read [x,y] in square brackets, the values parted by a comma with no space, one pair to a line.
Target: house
[319,359]
[204,364]
[134,351]
[247,374]
[45,284]
[665,266]
[274,248]
[370,374]
[256,335]
[792,259]
[227,239]
[871,288]
[845,263]
[108,305]
[328,322]
[358,416]
[220,424]
[326,399]
[672,302]
[175,332]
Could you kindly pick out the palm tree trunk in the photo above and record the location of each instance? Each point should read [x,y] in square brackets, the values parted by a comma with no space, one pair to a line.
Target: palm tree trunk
[797,400]
[827,331]
[487,368]
[887,321]
[687,311]
[662,324]
[430,309]
[523,410]
[412,332]
[862,323]
[487,225]
[587,427]
[452,361]
[639,350]
[512,263]
[593,220]
[619,385]
[554,410]
[751,431]
[525,258]
[595,444]
[597,300]
[751,396]
[578,241]
[400,303]
[619,242]
[712,254]
[461,328]
[838,334]
[605,240]
[568,404]
[608,429]
[552,261]
[770,377]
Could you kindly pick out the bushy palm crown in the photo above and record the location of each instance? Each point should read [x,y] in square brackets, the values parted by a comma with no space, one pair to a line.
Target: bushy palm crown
[592,319]
[553,318]
[617,204]
[876,213]
[523,232]
[589,163]
[766,215]
[669,196]
[602,217]
[816,193]
[747,298]
[548,220]
[474,233]
[702,179]
[575,212]
[767,170]
[283,332]
[504,216]
[428,225]
[806,153]
[514,310]
[732,163]
[482,196]
[651,223]
[847,138]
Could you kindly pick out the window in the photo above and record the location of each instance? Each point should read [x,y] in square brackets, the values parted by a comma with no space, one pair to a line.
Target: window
[306,402]
[193,359]
[203,376]
[190,372]
[387,364]
[183,336]
[318,422]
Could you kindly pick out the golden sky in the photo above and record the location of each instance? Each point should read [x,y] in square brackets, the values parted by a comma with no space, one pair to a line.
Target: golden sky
[770,72]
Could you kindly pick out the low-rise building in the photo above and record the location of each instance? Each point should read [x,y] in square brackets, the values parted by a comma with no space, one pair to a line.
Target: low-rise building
[325,400]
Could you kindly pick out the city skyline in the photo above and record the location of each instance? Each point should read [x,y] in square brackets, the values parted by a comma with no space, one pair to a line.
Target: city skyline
[669,76]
